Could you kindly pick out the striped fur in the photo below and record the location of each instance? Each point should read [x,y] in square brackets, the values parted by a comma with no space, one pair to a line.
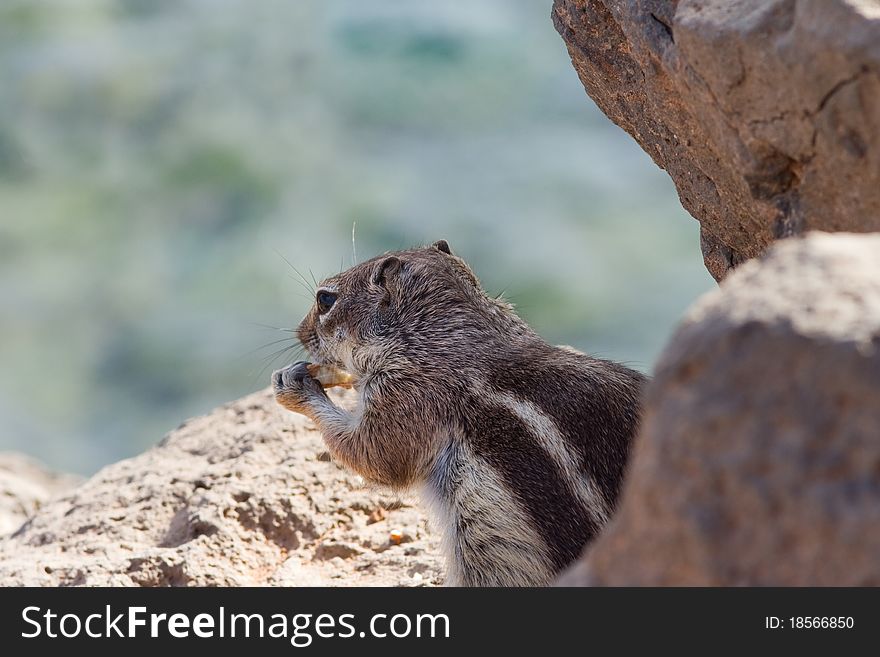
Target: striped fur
[518,446]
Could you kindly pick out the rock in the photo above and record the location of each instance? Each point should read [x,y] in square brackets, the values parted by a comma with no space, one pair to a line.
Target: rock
[765,113]
[238,497]
[758,462]
[25,485]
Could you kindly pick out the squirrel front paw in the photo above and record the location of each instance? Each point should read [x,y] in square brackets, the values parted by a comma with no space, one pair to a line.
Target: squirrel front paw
[296,389]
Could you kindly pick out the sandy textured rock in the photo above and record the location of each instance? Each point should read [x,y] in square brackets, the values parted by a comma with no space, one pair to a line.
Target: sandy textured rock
[244,496]
[765,113]
[25,486]
[759,458]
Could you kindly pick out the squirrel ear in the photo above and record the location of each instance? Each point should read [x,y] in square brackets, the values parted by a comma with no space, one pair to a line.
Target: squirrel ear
[389,267]
[442,246]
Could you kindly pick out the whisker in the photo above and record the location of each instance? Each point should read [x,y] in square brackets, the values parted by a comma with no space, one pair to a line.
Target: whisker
[305,282]
[268,344]
[272,328]
[275,354]
[310,297]
[303,285]
[295,347]
[272,358]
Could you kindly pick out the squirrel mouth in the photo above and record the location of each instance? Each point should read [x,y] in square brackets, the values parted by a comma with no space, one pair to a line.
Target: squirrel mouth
[329,372]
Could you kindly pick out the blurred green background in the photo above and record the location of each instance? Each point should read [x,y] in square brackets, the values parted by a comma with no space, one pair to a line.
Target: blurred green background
[156,157]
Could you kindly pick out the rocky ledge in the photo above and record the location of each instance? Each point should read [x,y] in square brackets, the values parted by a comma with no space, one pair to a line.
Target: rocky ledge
[765,113]
[758,462]
[246,495]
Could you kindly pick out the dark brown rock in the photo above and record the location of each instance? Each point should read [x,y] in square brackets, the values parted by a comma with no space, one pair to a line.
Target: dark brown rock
[765,113]
[759,458]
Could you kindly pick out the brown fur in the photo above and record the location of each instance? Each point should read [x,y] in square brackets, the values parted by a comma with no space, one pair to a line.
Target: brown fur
[519,446]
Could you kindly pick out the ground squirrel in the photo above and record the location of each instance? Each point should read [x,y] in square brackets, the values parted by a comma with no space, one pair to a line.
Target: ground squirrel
[518,446]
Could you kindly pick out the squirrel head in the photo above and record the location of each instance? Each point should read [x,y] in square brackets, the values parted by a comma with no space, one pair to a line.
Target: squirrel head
[395,308]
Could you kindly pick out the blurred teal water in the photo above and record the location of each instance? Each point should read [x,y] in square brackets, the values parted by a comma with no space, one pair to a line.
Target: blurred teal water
[158,158]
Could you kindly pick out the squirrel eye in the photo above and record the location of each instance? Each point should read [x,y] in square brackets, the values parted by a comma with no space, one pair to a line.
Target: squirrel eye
[325,301]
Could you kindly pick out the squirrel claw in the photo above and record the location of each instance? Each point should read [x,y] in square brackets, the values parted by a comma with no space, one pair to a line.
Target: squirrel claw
[294,387]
